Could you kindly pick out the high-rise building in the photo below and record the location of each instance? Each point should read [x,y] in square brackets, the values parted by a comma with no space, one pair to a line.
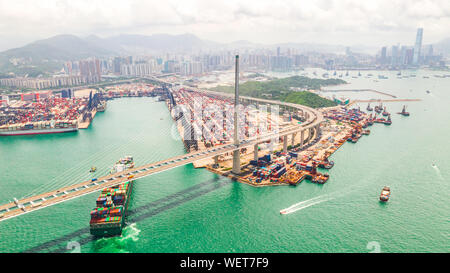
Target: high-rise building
[394,54]
[383,55]
[418,46]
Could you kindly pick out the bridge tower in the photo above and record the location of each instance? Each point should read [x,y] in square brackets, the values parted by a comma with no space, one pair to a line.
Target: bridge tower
[236,154]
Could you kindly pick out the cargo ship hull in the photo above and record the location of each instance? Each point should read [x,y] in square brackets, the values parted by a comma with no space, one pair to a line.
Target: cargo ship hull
[112,229]
[38,131]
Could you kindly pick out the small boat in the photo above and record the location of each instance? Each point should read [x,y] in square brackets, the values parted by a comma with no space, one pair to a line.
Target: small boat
[325,164]
[282,211]
[385,113]
[403,112]
[93,169]
[385,193]
[428,91]
[388,121]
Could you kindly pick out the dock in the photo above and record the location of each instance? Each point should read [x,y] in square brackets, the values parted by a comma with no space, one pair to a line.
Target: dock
[358,90]
[85,124]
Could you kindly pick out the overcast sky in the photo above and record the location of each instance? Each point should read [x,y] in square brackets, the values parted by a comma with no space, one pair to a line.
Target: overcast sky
[346,22]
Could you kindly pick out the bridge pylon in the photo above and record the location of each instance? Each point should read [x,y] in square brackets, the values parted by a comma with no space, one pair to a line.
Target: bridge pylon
[236,154]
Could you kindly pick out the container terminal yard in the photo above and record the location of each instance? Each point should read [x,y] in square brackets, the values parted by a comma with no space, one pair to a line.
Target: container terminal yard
[283,163]
[47,112]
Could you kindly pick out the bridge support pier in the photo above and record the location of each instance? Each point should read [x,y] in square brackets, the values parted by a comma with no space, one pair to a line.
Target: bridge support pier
[284,144]
[293,139]
[302,136]
[216,162]
[236,162]
[255,152]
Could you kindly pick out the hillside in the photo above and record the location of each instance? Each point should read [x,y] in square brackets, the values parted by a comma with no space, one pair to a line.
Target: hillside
[48,55]
[284,90]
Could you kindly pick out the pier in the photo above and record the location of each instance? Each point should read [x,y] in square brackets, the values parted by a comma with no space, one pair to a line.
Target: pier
[358,90]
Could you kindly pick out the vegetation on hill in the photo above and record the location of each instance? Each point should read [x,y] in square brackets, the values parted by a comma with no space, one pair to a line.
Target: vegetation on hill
[309,99]
[287,89]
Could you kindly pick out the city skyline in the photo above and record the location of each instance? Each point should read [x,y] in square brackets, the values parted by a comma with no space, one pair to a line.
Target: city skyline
[264,22]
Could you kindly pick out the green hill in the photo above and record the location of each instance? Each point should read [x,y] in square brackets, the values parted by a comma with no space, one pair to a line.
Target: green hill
[287,89]
[48,55]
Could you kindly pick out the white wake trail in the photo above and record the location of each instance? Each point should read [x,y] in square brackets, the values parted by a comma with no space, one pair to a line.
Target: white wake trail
[438,172]
[306,203]
[305,206]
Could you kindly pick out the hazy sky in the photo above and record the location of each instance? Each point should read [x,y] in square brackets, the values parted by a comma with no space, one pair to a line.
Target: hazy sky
[346,22]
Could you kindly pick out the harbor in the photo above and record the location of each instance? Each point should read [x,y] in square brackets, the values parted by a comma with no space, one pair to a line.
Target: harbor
[180,199]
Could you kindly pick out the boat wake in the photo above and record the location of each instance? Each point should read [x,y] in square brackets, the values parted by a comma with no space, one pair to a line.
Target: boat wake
[304,204]
[438,172]
[130,232]
[118,244]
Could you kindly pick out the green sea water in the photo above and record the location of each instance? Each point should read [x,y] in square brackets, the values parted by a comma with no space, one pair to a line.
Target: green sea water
[193,210]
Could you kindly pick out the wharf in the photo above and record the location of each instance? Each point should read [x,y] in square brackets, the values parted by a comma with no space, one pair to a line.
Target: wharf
[381,100]
[85,124]
[359,90]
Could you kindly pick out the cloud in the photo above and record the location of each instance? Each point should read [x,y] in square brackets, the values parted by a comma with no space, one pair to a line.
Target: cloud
[267,21]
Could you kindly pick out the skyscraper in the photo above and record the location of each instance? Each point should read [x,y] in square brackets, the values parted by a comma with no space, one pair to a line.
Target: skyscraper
[418,46]
[383,55]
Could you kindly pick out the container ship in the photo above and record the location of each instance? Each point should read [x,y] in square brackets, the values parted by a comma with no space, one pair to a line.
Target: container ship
[108,218]
[41,127]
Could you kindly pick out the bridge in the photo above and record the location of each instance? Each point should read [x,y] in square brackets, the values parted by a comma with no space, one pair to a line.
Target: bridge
[312,117]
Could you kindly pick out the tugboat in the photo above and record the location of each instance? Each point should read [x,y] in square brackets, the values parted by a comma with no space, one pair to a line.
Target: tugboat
[370,109]
[385,193]
[403,112]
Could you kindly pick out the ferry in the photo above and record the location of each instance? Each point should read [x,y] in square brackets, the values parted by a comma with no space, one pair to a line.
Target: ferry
[385,193]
